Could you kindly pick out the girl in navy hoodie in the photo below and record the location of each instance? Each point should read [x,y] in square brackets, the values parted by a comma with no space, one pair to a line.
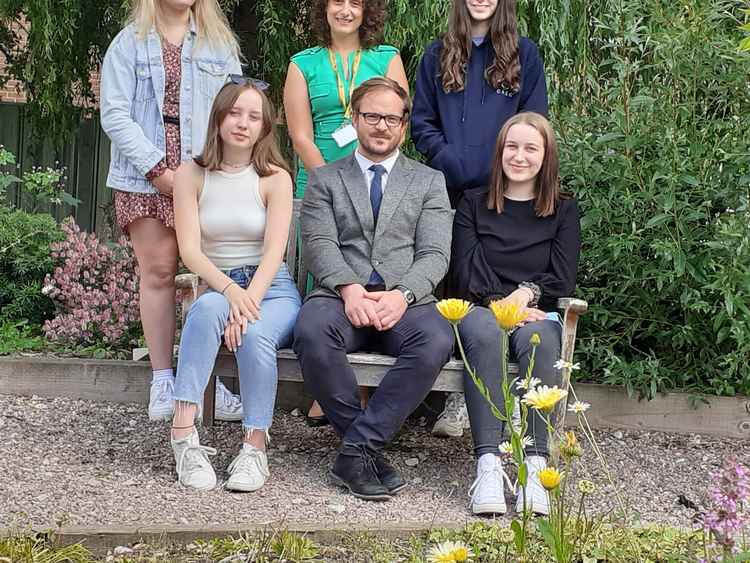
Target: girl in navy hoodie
[469,83]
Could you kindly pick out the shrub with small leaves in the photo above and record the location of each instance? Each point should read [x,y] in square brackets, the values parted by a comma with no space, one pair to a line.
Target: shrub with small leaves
[95,288]
[25,240]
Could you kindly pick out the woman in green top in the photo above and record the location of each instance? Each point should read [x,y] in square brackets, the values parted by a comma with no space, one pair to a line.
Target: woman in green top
[320,80]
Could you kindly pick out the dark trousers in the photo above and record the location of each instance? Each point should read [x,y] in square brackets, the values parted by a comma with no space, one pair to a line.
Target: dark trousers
[422,342]
[480,336]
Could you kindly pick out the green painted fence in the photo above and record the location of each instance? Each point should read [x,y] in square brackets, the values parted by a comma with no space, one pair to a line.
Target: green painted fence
[86,159]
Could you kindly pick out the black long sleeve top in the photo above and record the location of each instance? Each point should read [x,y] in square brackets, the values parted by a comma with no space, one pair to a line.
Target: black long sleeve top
[492,253]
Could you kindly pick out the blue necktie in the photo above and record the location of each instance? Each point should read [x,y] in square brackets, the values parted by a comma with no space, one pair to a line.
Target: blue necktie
[376,189]
[376,196]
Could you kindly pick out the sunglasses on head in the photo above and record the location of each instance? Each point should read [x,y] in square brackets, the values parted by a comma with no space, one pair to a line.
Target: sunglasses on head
[248,81]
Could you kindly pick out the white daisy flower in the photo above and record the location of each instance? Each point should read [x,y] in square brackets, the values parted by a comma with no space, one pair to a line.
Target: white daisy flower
[579,407]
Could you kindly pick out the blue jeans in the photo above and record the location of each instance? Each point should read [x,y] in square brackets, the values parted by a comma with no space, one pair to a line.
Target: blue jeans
[203,333]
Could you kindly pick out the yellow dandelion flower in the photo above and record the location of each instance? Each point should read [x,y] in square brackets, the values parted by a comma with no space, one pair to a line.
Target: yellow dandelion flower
[450,552]
[543,398]
[453,310]
[549,477]
[507,314]
[535,339]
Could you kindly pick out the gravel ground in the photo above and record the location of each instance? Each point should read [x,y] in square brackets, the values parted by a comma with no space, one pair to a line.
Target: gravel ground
[86,463]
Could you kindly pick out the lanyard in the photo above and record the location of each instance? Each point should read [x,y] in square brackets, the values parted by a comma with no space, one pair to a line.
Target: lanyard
[340,84]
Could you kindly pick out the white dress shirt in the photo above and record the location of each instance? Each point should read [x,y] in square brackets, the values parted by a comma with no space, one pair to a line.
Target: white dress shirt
[365,163]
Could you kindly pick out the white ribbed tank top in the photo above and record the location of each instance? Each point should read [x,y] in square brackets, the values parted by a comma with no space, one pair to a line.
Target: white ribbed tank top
[232,218]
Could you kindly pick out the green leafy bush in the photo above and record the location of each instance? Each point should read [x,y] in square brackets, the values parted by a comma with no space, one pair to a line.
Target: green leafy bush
[25,240]
[656,153]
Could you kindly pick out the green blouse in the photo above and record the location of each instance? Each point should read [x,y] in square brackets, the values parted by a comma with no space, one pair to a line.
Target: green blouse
[327,113]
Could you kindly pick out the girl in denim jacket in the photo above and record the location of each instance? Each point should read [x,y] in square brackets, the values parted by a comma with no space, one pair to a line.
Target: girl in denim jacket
[159,78]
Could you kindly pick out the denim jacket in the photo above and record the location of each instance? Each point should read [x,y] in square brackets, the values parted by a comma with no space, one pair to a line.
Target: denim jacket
[132,98]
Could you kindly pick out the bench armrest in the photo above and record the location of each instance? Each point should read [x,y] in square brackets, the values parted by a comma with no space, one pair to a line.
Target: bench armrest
[188,285]
[572,309]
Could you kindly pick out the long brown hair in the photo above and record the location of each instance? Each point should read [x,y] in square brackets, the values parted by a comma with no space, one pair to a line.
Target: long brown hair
[505,70]
[547,185]
[370,32]
[266,152]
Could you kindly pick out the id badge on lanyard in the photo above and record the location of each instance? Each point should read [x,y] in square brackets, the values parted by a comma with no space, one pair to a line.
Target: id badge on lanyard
[345,133]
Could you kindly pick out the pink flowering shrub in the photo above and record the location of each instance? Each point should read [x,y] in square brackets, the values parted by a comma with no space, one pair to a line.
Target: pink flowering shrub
[728,521]
[95,289]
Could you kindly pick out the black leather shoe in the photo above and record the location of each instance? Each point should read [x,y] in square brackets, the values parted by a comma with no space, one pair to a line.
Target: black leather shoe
[354,469]
[388,475]
[317,421]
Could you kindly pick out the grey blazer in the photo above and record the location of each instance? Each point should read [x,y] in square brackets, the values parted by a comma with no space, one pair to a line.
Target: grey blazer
[412,241]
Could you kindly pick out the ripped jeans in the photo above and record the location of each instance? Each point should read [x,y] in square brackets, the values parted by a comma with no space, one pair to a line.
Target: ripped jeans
[203,333]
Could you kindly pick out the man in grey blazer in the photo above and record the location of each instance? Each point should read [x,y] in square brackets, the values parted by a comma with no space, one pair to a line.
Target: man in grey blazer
[376,233]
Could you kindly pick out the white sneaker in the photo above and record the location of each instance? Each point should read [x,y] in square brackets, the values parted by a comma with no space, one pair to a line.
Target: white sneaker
[487,492]
[454,418]
[228,406]
[193,467]
[249,470]
[537,498]
[161,399]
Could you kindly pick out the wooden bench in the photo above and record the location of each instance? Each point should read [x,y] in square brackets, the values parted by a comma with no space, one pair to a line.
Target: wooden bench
[369,368]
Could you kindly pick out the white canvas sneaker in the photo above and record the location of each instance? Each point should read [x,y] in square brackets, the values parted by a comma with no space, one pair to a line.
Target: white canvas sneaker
[161,399]
[228,406]
[454,419]
[537,498]
[249,470]
[488,490]
[193,467]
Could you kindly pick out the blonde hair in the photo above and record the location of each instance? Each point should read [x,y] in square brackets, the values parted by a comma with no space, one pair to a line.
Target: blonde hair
[266,153]
[211,24]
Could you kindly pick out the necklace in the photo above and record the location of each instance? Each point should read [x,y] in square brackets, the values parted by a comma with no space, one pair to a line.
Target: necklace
[236,166]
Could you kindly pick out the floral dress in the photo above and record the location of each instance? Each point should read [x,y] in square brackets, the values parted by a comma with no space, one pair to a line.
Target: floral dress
[130,206]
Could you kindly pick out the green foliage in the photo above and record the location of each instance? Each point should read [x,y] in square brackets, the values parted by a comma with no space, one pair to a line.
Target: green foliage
[655,153]
[18,337]
[7,160]
[47,187]
[39,549]
[745,43]
[25,259]
[51,47]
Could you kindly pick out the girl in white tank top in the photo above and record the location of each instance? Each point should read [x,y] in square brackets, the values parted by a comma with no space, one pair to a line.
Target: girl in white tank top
[233,206]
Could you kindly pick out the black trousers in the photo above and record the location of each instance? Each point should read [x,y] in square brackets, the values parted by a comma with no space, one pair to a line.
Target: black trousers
[422,342]
[480,336]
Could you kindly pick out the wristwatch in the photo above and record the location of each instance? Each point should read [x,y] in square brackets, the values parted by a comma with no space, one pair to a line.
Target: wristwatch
[408,294]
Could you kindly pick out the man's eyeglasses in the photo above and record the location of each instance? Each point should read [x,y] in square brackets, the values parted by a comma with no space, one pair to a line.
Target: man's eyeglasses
[248,81]
[372,118]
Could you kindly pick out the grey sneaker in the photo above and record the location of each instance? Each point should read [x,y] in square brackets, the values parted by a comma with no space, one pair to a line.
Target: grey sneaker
[193,467]
[228,406]
[537,497]
[488,490]
[161,399]
[249,470]
[454,419]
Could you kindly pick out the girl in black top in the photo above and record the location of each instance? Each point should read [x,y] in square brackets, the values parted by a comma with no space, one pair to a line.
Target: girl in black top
[518,241]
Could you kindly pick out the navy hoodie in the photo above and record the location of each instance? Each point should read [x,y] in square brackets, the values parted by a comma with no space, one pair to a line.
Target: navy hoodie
[457,131]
